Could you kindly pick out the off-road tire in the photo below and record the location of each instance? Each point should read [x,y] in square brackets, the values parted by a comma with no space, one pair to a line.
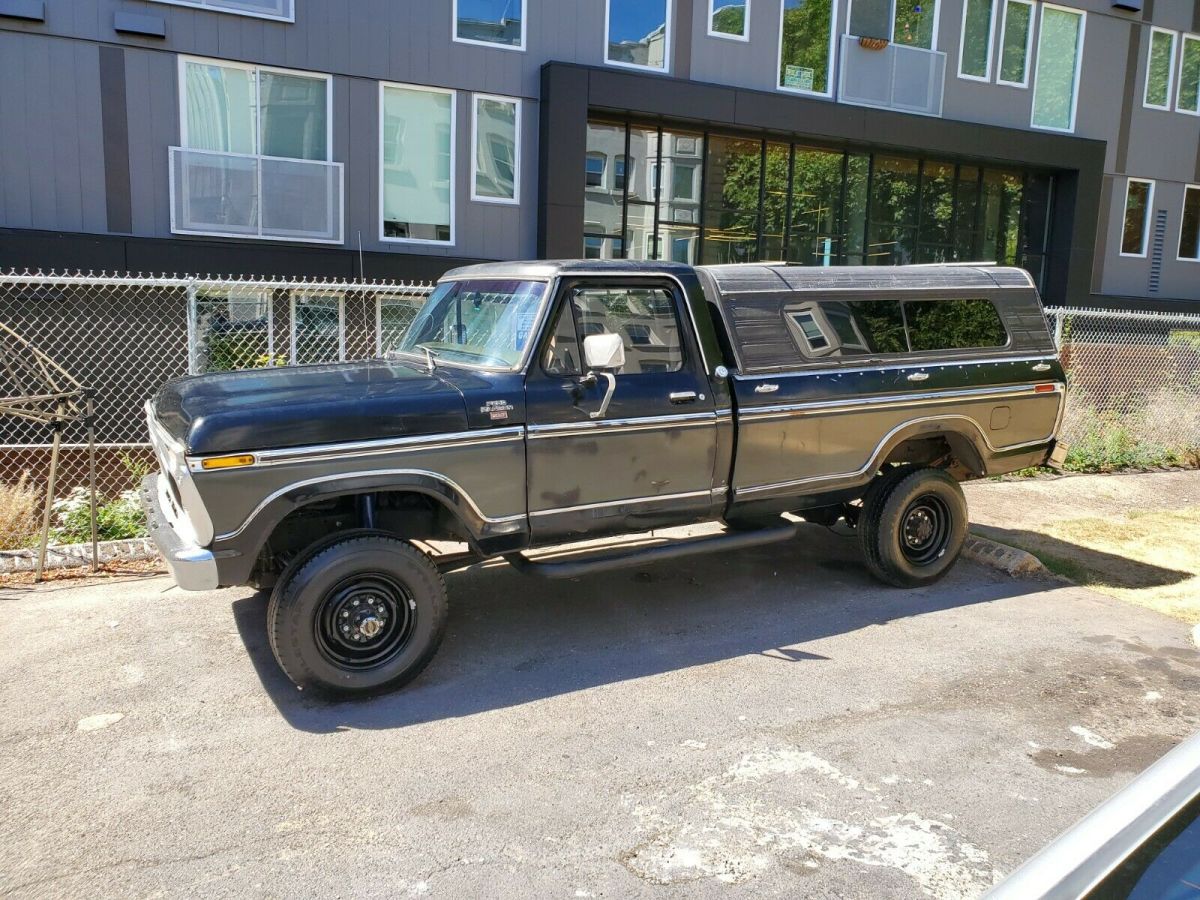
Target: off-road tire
[901,499]
[370,567]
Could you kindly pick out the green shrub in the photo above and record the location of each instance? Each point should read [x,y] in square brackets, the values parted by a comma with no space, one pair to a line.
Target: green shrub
[117,518]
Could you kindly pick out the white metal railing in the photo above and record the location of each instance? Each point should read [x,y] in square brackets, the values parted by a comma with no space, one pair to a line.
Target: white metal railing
[237,195]
[908,79]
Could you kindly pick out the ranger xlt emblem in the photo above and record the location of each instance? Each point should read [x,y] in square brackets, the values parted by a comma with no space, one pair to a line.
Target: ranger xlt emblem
[766,389]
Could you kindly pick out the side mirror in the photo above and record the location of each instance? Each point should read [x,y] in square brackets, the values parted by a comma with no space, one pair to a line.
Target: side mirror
[604,352]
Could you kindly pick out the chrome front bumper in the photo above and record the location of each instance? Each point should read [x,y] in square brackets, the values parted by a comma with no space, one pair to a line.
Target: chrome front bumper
[192,567]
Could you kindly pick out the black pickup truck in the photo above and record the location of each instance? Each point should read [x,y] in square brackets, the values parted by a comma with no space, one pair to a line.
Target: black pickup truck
[537,404]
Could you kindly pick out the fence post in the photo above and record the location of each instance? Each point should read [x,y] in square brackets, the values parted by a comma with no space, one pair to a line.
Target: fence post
[193,350]
[1059,315]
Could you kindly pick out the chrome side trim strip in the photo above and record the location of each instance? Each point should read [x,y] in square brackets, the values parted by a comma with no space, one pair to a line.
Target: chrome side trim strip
[757,413]
[309,482]
[608,426]
[325,452]
[866,467]
[631,501]
[910,364]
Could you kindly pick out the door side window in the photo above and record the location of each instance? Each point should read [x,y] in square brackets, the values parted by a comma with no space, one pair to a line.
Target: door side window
[562,356]
[644,317]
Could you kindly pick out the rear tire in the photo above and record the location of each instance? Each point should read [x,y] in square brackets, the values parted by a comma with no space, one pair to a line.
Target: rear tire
[356,617]
[913,526]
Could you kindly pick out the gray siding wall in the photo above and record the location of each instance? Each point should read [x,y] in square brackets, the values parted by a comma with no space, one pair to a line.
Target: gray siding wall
[51,148]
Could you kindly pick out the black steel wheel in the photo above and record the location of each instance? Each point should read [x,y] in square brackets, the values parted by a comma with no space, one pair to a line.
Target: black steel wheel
[357,616]
[912,526]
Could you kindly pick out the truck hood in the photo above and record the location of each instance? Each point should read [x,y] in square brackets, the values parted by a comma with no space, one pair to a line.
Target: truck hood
[292,407]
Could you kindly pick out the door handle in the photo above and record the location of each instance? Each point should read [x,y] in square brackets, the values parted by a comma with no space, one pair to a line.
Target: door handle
[919,376]
[682,397]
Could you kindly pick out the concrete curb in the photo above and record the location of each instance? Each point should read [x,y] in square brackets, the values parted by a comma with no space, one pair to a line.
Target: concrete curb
[1009,560]
[71,556]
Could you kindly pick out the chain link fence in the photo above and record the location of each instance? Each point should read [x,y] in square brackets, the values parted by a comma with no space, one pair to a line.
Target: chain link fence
[1133,399]
[1133,387]
[122,338]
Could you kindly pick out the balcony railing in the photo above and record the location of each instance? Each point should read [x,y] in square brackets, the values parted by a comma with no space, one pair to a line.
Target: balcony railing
[234,195]
[907,79]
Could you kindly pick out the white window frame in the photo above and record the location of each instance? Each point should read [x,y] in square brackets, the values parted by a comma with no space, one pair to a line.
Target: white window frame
[1182,212]
[1078,66]
[603,157]
[666,69]
[933,40]
[1033,19]
[225,10]
[519,48]
[1154,29]
[453,94]
[1184,38]
[991,45]
[503,201]
[712,11]
[1145,220]
[183,144]
[293,296]
[833,60]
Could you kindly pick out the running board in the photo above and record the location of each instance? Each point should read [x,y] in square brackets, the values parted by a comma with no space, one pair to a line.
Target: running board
[592,565]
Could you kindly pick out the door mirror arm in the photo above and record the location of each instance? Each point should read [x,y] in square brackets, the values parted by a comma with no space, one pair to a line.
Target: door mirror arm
[591,378]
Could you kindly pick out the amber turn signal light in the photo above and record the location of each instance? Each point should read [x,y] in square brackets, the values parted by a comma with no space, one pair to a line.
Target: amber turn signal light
[1045,388]
[227,462]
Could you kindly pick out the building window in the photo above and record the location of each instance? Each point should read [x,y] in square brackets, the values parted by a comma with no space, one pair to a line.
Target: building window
[1189,225]
[283,10]
[496,130]
[1188,98]
[729,19]
[1160,69]
[806,46]
[975,46]
[254,159]
[638,34]
[771,200]
[417,164]
[1056,77]
[619,173]
[1139,195]
[1016,35]
[492,23]
[595,170]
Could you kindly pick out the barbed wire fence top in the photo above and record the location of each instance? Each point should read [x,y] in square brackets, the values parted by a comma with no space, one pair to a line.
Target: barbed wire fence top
[124,337]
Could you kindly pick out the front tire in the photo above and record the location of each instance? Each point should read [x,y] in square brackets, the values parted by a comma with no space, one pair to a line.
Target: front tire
[913,526]
[356,617]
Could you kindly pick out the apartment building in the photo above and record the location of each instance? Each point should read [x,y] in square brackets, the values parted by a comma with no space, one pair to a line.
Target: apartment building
[391,138]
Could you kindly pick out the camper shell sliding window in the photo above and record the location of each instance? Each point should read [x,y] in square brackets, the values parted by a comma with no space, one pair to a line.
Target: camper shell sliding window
[780,318]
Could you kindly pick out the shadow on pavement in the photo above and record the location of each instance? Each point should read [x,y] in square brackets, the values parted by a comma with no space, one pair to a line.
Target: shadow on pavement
[512,639]
[1084,564]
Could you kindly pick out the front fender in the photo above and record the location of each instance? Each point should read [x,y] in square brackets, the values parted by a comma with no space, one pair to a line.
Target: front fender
[239,549]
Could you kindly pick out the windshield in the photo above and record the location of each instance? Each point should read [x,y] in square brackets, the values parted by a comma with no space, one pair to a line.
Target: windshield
[478,322]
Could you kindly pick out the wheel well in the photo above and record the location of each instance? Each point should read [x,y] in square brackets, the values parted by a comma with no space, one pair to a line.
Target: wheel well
[948,450]
[401,513]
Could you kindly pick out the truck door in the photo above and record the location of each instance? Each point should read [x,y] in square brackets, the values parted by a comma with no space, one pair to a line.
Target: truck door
[647,460]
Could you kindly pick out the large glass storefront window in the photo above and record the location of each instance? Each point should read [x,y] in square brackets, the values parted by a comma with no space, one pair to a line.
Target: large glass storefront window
[715,198]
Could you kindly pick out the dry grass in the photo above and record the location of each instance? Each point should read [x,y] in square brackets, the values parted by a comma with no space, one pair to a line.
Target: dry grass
[1151,558]
[19,513]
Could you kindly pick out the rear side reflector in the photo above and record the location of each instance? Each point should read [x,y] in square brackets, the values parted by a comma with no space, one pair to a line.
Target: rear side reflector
[230,462]
[1045,388]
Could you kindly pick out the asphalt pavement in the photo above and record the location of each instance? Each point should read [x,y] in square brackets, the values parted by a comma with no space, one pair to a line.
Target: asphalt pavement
[765,723]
